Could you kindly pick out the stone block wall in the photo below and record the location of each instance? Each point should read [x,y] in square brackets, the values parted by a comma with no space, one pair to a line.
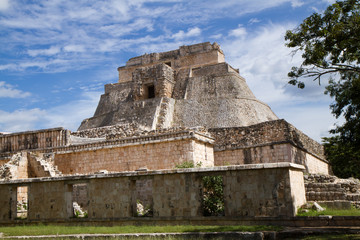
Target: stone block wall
[21,170]
[203,154]
[272,153]
[16,166]
[152,152]
[264,190]
[49,200]
[273,195]
[185,57]
[7,202]
[52,137]
[276,131]
[177,195]
[272,141]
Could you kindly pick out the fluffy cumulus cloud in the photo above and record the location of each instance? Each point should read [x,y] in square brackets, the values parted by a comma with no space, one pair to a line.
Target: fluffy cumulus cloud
[9,91]
[67,115]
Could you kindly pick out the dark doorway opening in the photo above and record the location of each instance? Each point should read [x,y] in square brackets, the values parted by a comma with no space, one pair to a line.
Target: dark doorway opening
[151,91]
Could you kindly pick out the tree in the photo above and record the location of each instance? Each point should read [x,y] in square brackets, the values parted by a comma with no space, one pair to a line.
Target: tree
[330,47]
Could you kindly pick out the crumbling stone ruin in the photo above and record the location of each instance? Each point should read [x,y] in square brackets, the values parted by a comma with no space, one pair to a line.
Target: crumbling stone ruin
[169,108]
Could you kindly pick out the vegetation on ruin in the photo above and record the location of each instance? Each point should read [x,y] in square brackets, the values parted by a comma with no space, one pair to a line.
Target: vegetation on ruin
[212,192]
[213,196]
[330,48]
[35,230]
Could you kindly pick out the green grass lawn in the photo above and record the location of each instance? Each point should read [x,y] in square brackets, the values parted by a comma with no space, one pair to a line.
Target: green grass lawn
[331,212]
[35,230]
[333,237]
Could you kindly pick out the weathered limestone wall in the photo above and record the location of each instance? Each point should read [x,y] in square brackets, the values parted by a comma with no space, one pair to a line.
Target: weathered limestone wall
[3,161]
[268,190]
[21,170]
[203,154]
[16,167]
[177,195]
[314,165]
[297,190]
[111,198]
[52,137]
[273,141]
[152,152]
[185,57]
[49,200]
[7,200]
[216,96]
[284,152]
[277,131]
[144,113]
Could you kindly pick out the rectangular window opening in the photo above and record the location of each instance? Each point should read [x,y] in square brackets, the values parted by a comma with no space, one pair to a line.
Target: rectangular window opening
[151,91]
[22,205]
[80,200]
[213,196]
[144,198]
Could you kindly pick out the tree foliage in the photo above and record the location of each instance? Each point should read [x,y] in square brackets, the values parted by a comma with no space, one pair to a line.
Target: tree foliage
[330,47]
[213,196]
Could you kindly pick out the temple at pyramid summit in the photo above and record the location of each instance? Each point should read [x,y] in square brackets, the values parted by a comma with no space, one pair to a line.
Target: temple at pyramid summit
[168,110]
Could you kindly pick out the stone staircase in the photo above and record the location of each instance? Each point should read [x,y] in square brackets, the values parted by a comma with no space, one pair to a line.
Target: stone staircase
[42,165]
[165,113]
[326,188]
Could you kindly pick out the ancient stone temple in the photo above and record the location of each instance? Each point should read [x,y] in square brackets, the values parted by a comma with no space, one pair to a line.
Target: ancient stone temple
[183,106]
[189,87]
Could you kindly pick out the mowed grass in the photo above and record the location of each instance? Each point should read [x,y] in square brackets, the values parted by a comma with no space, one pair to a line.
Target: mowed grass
[35,230]
[333,237]
[331,212]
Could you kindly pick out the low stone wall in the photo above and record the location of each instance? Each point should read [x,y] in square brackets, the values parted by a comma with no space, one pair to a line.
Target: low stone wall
[53,137]
[262,190]
[158,151]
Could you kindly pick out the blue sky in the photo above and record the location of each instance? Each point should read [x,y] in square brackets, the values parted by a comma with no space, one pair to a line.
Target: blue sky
[55,56]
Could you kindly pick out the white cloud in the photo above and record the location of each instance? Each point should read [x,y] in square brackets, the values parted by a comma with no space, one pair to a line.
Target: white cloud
[68,115]
[74,48]
[20,120]
[254,20]
[329,1]
[9,91]
[46,52]
[296,3]
[71,114]
[4,5]
[238,32]
[192,32]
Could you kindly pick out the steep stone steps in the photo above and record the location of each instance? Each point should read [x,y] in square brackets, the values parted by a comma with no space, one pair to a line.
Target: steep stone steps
[330,188]
[41,165]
